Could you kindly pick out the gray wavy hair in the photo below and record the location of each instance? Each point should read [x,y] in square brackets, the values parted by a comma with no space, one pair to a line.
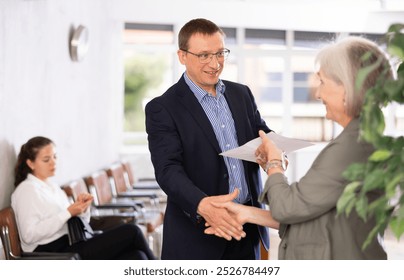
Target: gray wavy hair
[341,62]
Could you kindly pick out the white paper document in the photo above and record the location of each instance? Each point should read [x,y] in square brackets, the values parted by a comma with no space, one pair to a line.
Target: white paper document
[247,151]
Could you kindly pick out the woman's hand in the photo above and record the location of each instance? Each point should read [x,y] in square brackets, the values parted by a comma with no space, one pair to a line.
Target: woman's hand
[85,197]
[234,209]
[267,151]
[246,214]
[81,205]
[218,218]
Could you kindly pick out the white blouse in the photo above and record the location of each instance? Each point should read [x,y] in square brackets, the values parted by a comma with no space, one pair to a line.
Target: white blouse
[40,209]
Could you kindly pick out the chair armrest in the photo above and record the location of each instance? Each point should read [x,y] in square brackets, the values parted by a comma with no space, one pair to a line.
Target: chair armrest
[98,213]
[117,205]
[150,179]
[49,256]
[146,185]
[138,194]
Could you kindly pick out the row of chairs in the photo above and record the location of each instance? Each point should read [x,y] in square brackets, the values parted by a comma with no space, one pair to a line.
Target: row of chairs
[118,198]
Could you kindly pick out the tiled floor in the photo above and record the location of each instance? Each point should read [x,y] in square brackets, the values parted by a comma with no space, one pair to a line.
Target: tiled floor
[394,248]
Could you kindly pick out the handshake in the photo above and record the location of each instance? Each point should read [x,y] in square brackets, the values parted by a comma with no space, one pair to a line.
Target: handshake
[224,218]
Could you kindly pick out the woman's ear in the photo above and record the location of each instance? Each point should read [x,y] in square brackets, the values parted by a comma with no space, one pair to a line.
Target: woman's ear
[30,164]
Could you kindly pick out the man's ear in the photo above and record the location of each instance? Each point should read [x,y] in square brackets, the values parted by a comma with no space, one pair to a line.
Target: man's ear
[182,56]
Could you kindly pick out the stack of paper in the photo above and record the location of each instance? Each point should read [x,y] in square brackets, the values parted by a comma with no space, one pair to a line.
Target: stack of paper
[247,151]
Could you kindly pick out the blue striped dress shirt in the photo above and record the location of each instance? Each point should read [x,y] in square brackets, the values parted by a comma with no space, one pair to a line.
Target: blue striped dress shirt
[218,112]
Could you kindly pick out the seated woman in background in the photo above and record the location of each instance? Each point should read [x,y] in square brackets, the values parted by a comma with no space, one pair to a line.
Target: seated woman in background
[42,210]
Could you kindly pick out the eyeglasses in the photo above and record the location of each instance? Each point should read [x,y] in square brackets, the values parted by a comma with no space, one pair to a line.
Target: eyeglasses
[207,57]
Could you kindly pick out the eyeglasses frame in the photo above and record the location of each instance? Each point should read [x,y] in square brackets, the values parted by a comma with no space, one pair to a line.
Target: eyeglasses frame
[226,54]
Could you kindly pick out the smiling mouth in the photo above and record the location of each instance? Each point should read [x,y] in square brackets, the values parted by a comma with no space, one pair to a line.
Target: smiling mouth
[212,74]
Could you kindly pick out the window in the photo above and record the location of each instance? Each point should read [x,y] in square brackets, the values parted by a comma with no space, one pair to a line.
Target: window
[303,78]
[377,38]
[277,65]
[311,40]
[265,39]
[149,59]
[231,35]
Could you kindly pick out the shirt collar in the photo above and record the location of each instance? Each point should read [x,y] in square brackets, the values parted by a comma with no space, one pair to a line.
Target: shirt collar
[32,177]
[199,92]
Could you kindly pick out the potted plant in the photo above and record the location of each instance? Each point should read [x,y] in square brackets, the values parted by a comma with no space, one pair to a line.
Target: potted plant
[384,170]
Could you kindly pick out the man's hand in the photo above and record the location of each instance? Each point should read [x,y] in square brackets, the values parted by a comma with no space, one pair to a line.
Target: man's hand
[236,210]
[218,218]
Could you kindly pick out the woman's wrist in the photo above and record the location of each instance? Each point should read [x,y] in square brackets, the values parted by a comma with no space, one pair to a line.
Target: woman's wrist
[278,163]
[275,170]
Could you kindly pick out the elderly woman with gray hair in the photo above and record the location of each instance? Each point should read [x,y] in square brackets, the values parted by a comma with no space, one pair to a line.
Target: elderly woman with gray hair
[305,211]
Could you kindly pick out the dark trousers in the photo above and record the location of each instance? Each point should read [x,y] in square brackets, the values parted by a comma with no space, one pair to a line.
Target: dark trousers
[243,249]
[124,242]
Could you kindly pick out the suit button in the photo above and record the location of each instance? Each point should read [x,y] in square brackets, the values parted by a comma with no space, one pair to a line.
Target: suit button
[284,246]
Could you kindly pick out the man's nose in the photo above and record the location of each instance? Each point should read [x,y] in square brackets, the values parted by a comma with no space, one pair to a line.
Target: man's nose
[214,62]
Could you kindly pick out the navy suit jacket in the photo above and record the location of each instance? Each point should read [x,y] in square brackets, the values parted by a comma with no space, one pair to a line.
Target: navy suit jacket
[188,167]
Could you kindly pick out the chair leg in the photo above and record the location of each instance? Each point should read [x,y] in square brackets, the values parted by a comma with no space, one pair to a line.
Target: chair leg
[155,239]
[7,243]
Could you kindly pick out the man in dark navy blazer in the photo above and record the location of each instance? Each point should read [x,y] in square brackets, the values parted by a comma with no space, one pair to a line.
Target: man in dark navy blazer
[188,127]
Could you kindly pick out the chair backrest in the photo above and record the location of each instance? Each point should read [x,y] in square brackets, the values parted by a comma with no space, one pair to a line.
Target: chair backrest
[127,167]
[100,182]
[74,188]
[117,174]
[9,234]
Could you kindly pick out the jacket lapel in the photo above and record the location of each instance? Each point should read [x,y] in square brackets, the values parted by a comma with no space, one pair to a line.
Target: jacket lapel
[237,112]
[187,98]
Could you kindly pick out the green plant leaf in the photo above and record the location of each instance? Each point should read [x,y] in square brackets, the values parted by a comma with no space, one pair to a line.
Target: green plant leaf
[400,69]
[355,171]
[377,229]
[395,28]
[397,226]
[378,205]
[400,213]
[373,123]
[361,207]
[391,186]
[365,71]
[394,89]
[396,44]
[384,170]
[347,200]
[402,156]
[380,155]
[399,143]
[374,180]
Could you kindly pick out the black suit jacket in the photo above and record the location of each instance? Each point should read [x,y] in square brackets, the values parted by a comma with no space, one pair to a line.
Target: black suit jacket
[185,155]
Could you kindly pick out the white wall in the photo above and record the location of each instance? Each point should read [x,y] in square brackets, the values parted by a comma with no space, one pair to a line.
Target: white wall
[42,92]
